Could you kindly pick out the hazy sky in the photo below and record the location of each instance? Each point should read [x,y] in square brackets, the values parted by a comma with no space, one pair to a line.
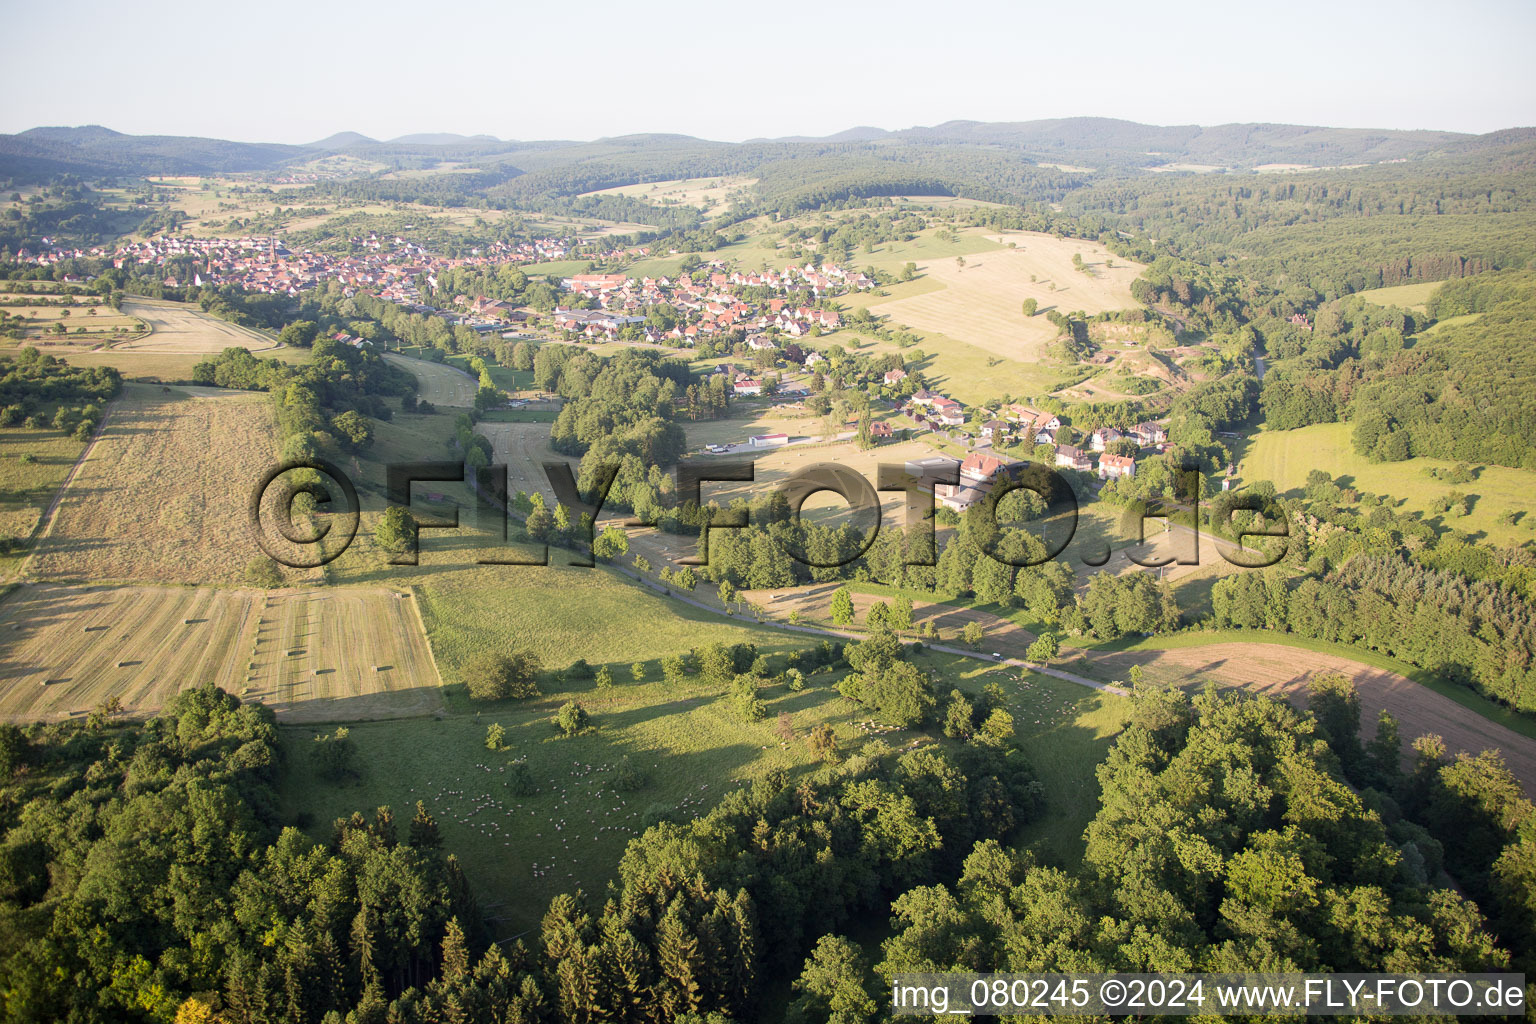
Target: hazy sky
[285,71]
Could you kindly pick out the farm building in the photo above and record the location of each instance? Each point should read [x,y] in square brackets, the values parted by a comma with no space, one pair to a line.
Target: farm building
[769,440]
[959,498]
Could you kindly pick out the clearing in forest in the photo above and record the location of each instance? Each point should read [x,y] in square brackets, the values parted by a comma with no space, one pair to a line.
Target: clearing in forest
[1501,500]
[697,192]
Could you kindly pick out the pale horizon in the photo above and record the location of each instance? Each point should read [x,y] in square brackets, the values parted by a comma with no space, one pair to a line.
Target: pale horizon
[298,73]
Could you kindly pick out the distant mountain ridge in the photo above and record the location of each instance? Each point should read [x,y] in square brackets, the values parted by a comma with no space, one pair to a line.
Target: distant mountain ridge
[341,140]
[1096,142]
[93,149]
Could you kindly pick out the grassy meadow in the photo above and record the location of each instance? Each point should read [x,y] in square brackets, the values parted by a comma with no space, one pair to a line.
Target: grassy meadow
[1405,296]
[1285,457]
[33,463]
[690,746]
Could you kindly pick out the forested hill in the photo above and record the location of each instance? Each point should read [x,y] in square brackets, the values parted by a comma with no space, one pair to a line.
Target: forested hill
[1100,143]
[94,150]
[1462,390]
[1108,141]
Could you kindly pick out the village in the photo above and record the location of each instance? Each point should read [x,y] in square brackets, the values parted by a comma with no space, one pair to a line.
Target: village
[761,314]
[677,311]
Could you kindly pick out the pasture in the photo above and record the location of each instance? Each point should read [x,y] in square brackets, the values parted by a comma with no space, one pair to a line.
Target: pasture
[1406,296]
[162,496]
[1285,457]
[1064,729]
[690,746]
[687,741]
[28,487]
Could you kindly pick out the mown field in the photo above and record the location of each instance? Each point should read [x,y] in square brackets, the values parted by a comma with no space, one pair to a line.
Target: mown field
[180,328]
[310,655]
[88,319]
[1285,457]
[443,385]
[68,649]
[1282,666]
[980,301]
[162,497]
[340,654]
[136,365]
[977,343]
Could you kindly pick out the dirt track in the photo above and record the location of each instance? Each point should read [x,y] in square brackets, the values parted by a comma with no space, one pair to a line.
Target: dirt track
[1275,669]
[1284,671]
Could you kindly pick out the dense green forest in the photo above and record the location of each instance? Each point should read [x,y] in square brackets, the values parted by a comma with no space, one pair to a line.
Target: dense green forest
[1297,867]
[144,874]
[143,866]
[1461,391]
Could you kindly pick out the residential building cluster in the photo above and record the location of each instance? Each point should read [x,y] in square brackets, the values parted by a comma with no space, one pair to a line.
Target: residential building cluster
[1021,422]
[390,267]
[711,301]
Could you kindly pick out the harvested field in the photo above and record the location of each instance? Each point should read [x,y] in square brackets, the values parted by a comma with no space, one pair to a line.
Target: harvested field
[980,302]
[181,328]
[68,649]
[361,653]
[162,495]
[340,654]
[1284,671]
[524,448]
